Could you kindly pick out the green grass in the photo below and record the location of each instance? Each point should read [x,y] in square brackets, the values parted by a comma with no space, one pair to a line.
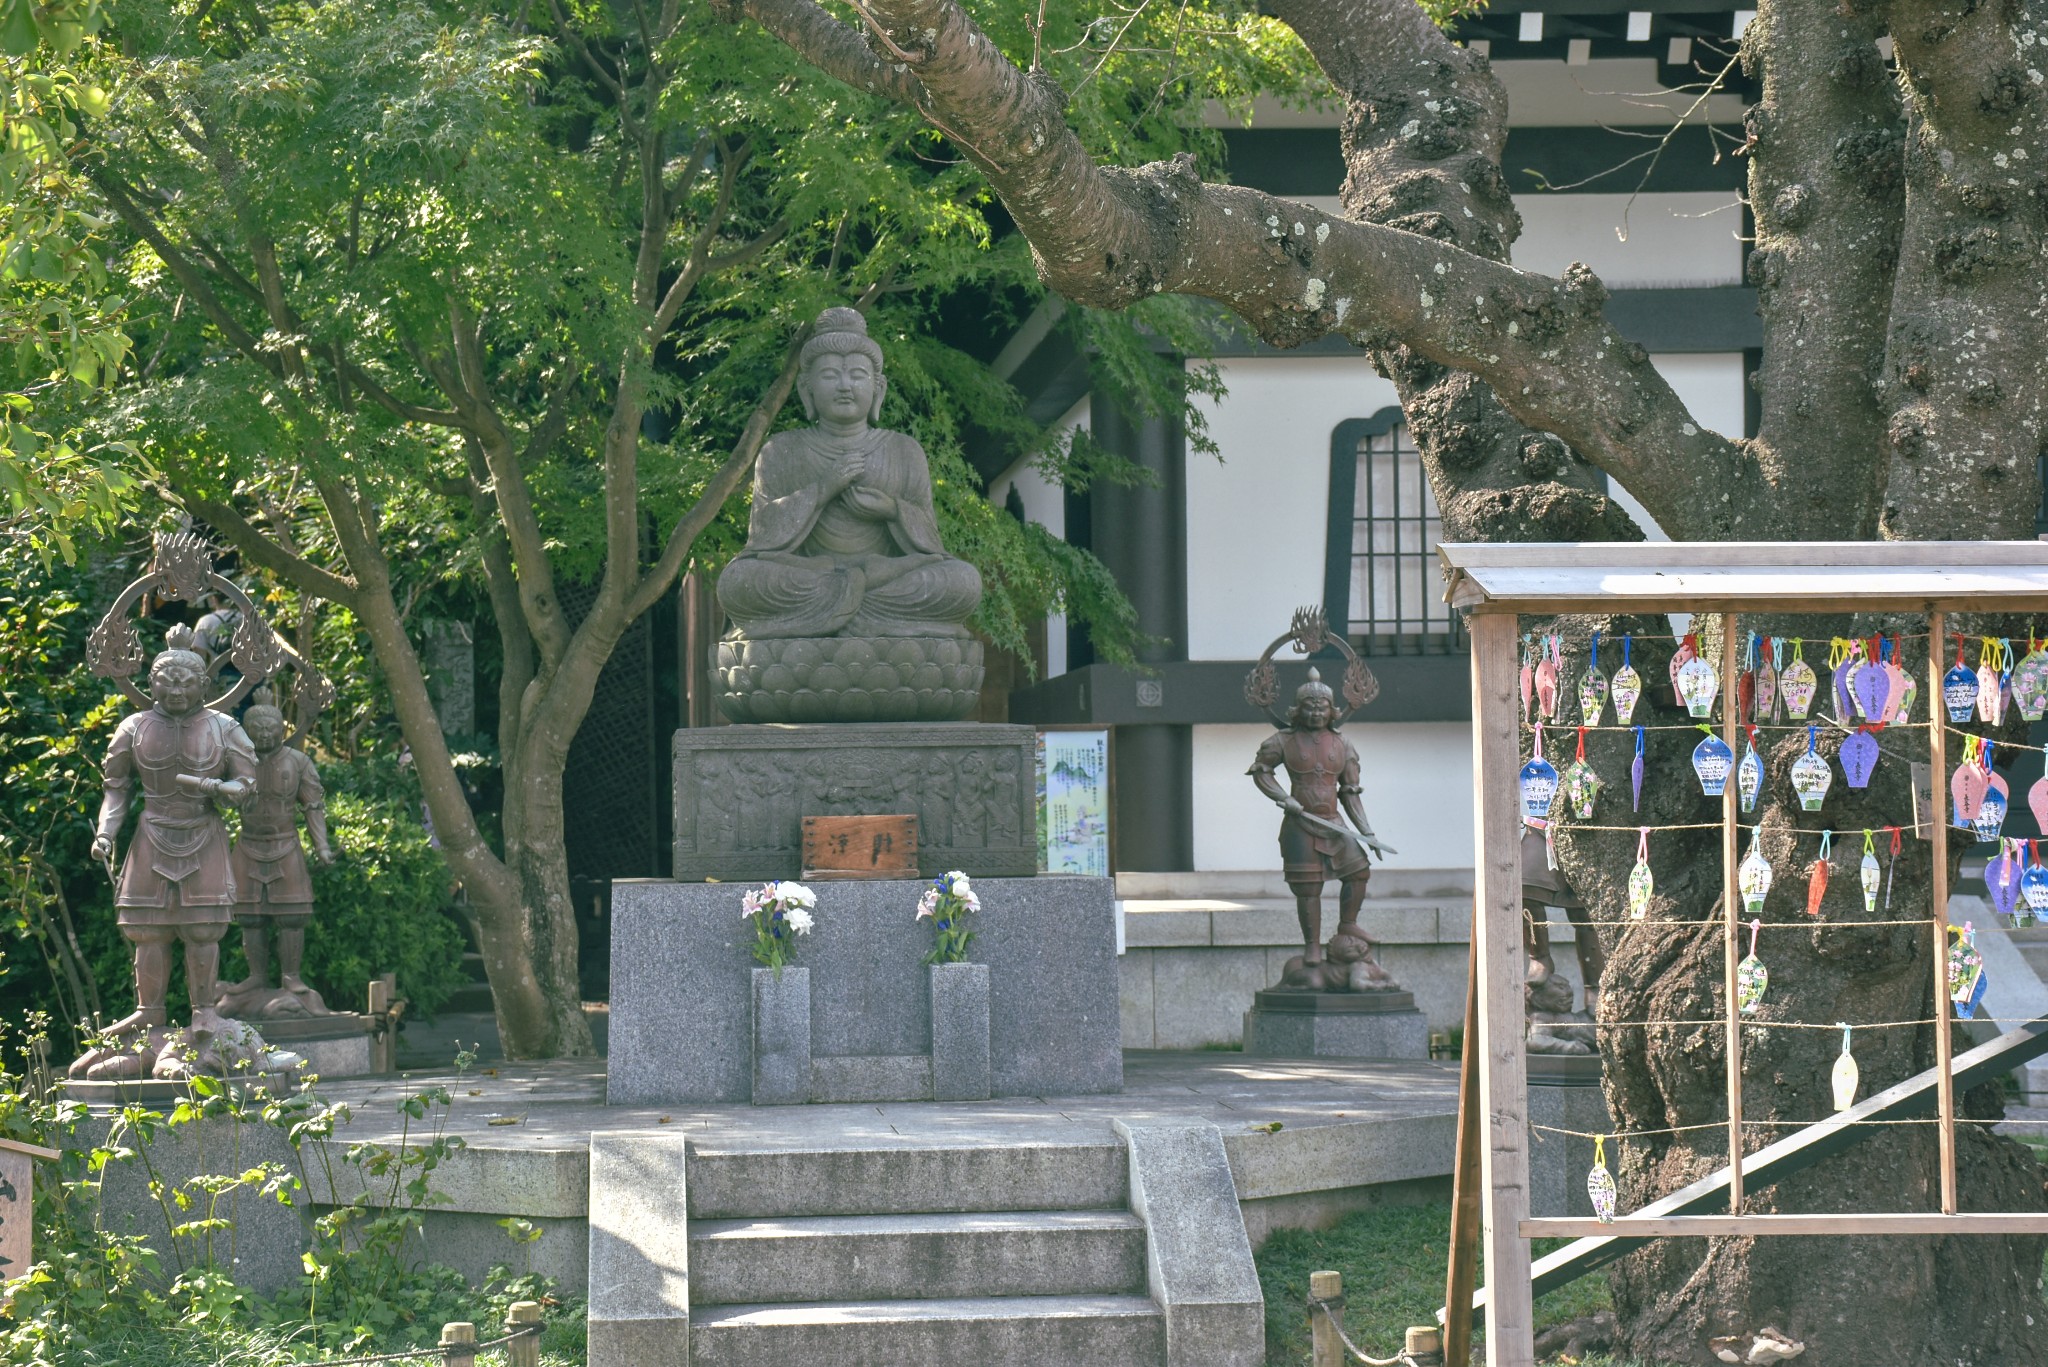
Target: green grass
[1393,1263]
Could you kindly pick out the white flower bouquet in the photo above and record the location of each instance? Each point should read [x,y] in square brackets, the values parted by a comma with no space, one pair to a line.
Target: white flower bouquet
[947,903]
[780,911]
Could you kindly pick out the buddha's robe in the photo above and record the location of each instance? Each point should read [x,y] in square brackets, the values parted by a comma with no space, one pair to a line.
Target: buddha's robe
[819,564]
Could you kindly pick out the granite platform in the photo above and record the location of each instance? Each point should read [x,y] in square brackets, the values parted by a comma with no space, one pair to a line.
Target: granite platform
[1307,1141]
[682,1005]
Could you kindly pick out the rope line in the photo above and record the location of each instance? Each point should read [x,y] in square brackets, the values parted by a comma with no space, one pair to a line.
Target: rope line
[1722,1125]
[1398,1360]
[439,1351]
[1717,923]
[1761,1024]
[1565,824]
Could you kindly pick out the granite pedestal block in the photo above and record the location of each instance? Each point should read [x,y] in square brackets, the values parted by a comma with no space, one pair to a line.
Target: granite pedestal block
[682,1008]
[742,793]
[1296,1023]
[782,1036]
[959,1032]
[334,1046]
[1564,1094]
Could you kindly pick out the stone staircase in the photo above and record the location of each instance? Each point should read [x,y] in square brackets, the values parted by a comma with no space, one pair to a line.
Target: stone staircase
[989,1254]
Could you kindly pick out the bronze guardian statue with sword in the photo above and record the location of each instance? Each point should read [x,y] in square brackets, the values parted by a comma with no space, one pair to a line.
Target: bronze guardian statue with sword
[1321,792]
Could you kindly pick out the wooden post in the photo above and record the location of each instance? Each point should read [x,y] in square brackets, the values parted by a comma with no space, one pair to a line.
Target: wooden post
[1937,841]
[384,1042]
[1326,1349]
[458,1344]
[525,1350]
[17,1205]
[1424,1345]
[1465,1181]
[1497,926]
[1731,904]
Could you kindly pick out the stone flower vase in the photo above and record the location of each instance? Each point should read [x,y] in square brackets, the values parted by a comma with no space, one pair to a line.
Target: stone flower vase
[782,1036]
[959,1032]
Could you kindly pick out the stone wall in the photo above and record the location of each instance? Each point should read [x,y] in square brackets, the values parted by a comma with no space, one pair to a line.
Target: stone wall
[1197,946]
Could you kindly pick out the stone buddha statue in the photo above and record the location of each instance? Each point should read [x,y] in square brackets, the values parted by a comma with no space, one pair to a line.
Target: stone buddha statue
[844,603]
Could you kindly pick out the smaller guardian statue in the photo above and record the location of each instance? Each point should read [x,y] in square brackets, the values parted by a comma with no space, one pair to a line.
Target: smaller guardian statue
[273,890]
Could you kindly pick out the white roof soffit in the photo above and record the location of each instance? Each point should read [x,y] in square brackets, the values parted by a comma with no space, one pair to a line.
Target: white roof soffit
[1739,576]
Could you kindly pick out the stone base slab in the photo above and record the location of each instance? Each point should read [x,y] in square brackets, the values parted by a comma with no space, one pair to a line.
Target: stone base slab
[1298,1001]
[334,1046]
[682,1011]
[742,793]
[1358,1034]
[872,1077]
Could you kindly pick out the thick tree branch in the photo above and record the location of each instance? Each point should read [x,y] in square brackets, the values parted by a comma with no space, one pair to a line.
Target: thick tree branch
[1423,135]
[1969,311]
[540,607]
[1825,183]
[720,487]
[188,274]
[1109,237]
[265,552]
[834,48]
[501,580]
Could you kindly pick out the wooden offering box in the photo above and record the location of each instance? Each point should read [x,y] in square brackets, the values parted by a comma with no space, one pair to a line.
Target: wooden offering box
[860,847]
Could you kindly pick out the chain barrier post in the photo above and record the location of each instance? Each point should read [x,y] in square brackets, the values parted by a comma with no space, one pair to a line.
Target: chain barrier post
[1327,1288]
[458,1344]
[1424,1346]
[523,1320]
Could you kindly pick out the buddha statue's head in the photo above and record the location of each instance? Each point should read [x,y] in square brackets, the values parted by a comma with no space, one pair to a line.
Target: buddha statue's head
[839,376]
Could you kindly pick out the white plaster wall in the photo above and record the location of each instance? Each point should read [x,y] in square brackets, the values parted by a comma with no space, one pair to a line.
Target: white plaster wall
[1630,241]
[1710,383]
[1614,90]
[1245,575]
[1415,779]
[1046,504]
[1634,242]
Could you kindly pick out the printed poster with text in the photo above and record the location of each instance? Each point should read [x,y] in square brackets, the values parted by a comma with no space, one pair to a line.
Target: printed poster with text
[1073,802]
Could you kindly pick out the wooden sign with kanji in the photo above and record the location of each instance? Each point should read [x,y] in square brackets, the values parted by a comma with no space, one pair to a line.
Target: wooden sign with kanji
[17,1205]
[860,847]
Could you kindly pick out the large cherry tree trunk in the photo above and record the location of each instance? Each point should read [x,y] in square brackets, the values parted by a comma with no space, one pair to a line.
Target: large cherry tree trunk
[1899,235]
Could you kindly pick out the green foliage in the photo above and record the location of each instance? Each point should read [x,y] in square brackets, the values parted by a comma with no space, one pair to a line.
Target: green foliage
[60,313]
[99,1297]
[1393,1260]
[382,907]
[402,160]
[55,723]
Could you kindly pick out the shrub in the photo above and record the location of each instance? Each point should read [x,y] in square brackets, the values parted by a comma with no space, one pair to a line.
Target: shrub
[381,908]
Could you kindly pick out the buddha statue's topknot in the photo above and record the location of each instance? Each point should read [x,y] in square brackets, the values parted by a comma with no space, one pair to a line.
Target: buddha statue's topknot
[840,332]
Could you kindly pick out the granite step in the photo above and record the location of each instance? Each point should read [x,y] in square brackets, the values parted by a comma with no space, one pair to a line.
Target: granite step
[885,1257]
[1028,1331]
[772,1183]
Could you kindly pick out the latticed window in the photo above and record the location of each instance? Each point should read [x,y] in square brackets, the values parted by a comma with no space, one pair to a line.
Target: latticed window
[1397,605]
